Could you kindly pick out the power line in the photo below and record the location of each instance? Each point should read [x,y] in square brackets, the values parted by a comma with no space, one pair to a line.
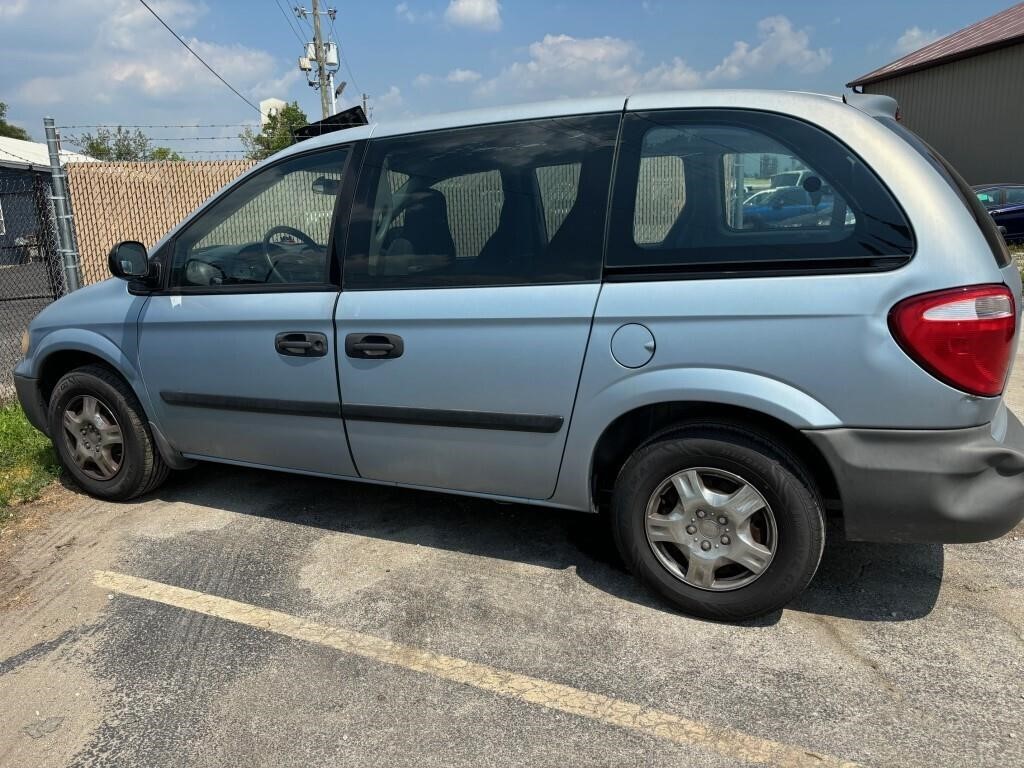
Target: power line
[16,156]
[302,18]
[344,58]
[210,151]
[288,20]
[201,60]
[157,139]
[193,125]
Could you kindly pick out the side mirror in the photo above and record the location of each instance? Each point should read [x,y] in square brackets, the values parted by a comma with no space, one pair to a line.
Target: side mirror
[128,260]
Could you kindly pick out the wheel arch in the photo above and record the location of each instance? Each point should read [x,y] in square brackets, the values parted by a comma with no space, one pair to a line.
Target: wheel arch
[67,349]
[633,429]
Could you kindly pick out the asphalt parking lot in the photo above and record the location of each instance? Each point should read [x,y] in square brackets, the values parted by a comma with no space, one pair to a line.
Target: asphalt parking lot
[245,618]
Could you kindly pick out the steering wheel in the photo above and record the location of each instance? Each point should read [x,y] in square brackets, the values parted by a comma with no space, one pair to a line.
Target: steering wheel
[282,229]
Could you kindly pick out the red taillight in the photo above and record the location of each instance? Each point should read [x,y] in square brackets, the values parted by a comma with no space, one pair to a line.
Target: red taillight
[962,336]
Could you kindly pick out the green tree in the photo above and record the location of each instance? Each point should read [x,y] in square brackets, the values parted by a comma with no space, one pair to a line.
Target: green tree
[122,145]
[164,153]
[109,145]
[276,133]
[11,131]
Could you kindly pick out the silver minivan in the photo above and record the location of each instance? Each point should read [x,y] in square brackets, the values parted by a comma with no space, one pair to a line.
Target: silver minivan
[586,305]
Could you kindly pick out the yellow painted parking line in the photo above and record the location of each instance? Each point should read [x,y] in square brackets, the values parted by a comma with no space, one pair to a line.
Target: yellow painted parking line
[563,698]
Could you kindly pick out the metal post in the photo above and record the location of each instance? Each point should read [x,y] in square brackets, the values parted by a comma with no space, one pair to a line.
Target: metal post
[65,232]
[739,191]
[334,95]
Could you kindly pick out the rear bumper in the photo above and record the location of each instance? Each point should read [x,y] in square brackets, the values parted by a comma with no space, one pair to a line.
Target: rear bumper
[31,398]
[935,486]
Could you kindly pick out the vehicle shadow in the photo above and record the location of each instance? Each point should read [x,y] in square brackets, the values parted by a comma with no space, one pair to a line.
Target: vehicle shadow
[869,582]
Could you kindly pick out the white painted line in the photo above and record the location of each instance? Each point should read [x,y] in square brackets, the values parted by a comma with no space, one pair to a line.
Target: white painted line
[727,742]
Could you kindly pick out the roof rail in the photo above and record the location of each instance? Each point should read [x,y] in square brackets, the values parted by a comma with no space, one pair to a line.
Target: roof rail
[874,104]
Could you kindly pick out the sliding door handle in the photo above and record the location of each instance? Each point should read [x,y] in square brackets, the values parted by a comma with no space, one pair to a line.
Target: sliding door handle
[374,346]
[301,344]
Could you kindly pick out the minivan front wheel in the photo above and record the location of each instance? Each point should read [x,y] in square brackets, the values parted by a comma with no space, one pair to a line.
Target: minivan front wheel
[102,436]
[719,521]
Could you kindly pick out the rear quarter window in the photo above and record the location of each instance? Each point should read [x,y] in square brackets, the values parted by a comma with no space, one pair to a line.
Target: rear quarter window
[735,190]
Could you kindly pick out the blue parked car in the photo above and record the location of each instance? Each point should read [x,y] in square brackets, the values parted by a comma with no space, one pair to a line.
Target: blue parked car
[564,305]
[1010,220]
[778,207]
[999,195]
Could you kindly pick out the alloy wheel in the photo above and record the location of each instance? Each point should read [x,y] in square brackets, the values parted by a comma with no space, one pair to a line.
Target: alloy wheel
[711,529]
[93,437]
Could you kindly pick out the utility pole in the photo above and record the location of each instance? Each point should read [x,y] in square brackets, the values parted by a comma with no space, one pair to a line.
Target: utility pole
[366,105]
[323,55]
[65,233]
[321,61]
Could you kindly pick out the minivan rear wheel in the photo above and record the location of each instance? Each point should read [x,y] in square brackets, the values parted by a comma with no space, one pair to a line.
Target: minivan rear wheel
[102,436]
[719,521]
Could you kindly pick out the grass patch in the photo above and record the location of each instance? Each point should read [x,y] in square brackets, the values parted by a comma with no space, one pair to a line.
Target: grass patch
[27,460]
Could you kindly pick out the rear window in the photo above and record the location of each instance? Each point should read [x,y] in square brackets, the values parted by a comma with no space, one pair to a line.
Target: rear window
[967,195]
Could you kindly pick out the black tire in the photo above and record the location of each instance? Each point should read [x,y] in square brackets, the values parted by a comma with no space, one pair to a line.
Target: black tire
[794,503]
[141,467]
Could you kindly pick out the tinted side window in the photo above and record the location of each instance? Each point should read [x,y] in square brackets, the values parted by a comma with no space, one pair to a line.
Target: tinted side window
[988,197]
[274,227]
[1014,195]
[699,188]
[474,202]
[509,204]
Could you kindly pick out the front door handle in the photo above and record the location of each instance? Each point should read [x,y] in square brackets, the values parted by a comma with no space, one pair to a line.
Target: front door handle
[374,346]
[301,344]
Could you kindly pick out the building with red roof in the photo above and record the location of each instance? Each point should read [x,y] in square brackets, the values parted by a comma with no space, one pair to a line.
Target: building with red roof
[964,94]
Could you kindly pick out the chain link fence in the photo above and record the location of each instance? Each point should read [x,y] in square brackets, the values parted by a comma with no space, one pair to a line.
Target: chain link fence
[111,202]
[30,271]
[137,201]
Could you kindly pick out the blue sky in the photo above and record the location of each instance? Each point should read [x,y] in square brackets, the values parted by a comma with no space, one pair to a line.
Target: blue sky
[109,61]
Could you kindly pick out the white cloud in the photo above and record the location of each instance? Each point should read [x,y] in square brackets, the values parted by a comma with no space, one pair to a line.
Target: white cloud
[410,16]
[403,12]
[463,76]
[782,46]
[12,9]
[561,65]
[457,76]
[110,61]
[130,54]
[390,99]
[677,75]
[485,14]
[914,38]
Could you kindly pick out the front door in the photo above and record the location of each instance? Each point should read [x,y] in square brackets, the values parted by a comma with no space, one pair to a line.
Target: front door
[238,352]
[471,277]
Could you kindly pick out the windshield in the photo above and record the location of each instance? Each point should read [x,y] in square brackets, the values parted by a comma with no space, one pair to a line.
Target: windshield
[967,195]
